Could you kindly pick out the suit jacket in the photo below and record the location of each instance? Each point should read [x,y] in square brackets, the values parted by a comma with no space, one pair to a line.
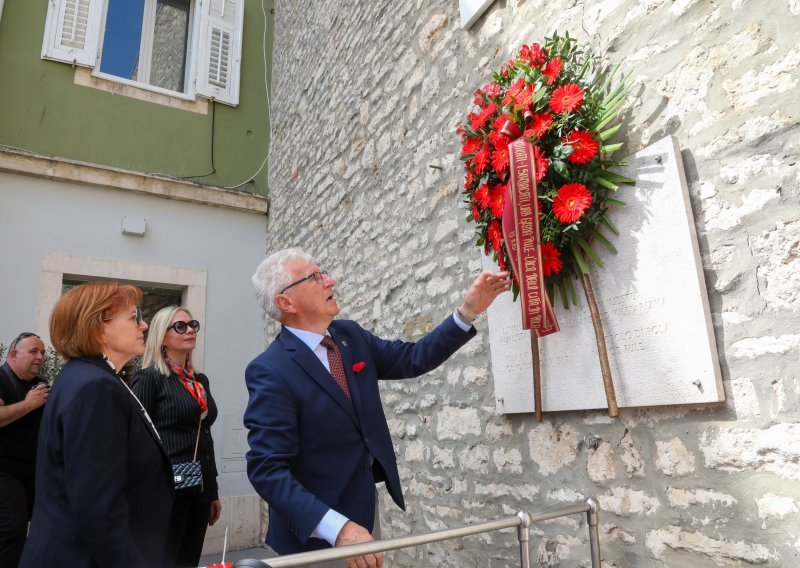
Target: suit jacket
[311,449]
[104,484]
[176,415]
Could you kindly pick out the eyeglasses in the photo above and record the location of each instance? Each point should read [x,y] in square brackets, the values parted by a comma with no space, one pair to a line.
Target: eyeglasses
[20,337]
[317,276]
[137,316]
[183,326]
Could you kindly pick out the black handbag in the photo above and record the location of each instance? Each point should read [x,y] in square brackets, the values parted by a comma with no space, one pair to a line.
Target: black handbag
[189,475]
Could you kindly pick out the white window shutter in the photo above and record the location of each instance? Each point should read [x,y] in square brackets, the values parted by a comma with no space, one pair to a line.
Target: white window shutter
[220,50]
[72,31]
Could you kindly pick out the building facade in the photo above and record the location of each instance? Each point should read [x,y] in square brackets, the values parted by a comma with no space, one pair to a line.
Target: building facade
[133,146]
[369,158]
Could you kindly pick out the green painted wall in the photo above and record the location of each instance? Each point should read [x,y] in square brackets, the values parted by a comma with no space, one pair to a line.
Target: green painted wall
[42,110]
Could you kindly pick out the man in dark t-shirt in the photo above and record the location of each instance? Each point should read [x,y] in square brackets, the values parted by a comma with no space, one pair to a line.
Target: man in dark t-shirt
[22,396]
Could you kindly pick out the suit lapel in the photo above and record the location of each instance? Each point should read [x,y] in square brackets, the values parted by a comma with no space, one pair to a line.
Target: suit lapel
[308,361]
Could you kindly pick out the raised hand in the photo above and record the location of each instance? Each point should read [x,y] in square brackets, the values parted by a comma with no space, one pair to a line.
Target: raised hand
[486,287]
[37,396]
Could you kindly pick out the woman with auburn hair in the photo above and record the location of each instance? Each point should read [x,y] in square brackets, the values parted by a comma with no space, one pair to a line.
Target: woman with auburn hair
[103,481]
[179,400]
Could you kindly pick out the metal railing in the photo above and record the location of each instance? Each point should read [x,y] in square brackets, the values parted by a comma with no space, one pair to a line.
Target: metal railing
[521,520]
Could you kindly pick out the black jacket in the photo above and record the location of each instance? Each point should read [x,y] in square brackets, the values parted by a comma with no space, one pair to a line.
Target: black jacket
[104,487]
[176,414]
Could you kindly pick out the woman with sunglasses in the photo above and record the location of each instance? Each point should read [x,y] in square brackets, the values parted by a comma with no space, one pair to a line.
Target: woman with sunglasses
[178,399]
[103,481]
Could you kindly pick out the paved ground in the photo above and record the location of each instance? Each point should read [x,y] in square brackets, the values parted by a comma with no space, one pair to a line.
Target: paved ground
[256,553]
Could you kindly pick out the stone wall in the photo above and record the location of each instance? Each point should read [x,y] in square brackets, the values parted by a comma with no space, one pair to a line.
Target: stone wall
[365,174]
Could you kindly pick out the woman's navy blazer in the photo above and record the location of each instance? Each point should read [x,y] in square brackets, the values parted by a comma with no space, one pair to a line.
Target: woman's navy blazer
[104,486]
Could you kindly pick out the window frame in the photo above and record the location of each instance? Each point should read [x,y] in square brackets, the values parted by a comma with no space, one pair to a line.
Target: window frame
[146,51]
[209,19]
[192,282]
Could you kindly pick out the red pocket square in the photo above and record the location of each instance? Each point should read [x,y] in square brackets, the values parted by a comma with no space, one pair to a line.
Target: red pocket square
[358,366]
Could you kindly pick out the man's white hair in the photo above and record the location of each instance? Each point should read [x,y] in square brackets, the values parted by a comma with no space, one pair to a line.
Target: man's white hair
[271,277]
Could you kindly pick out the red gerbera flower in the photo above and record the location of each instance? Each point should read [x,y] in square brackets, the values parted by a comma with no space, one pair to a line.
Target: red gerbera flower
[476,213]
[540,125]
[551,259]
[500,121]
[469,179]
[540,162]
[566,98]
[513,91]
[470,146]
[495,234]
[498,140]
[500,159]
[571,202]
[498,193]
[524,98]
[482,196]
[478,120]
[481,159]
[584,146]
[552,69]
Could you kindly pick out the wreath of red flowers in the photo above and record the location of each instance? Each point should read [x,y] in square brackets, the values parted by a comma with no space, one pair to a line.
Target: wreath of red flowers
[563,101]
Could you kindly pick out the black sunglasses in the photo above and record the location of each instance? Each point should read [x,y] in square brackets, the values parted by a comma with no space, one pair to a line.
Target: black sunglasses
[317,276]
[20,337]
[183,326]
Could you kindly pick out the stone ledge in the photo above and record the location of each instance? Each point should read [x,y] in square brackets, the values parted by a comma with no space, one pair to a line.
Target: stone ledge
[60,169]
[84,78]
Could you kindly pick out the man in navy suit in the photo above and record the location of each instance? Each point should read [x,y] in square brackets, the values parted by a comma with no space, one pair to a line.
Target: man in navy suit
[319,441]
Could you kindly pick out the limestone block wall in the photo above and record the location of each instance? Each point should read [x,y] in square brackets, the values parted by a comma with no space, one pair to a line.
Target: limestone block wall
[365,174]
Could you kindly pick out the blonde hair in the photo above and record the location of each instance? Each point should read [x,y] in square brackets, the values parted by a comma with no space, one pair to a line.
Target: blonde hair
[155,339]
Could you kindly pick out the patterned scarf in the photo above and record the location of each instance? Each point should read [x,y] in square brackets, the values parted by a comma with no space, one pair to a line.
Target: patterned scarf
[188,380]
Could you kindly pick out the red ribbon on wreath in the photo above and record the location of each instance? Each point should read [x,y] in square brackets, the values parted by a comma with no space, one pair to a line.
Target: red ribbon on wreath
[521,234]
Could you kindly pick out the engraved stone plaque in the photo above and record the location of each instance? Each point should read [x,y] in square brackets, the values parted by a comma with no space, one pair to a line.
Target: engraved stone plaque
[654,307]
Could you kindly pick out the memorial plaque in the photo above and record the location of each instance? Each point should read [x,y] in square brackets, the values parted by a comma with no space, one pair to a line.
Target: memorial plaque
[652,297]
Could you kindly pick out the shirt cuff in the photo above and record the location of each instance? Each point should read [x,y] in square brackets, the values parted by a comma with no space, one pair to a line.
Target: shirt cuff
[330,526]
[463,325]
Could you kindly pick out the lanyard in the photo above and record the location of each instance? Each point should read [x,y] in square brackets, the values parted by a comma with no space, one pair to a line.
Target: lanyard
[146,415]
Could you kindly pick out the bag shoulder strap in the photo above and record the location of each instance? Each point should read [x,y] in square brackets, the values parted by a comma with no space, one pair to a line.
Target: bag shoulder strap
[197,440]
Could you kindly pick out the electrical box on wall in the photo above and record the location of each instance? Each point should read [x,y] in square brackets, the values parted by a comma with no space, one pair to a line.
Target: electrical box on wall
[134,226]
